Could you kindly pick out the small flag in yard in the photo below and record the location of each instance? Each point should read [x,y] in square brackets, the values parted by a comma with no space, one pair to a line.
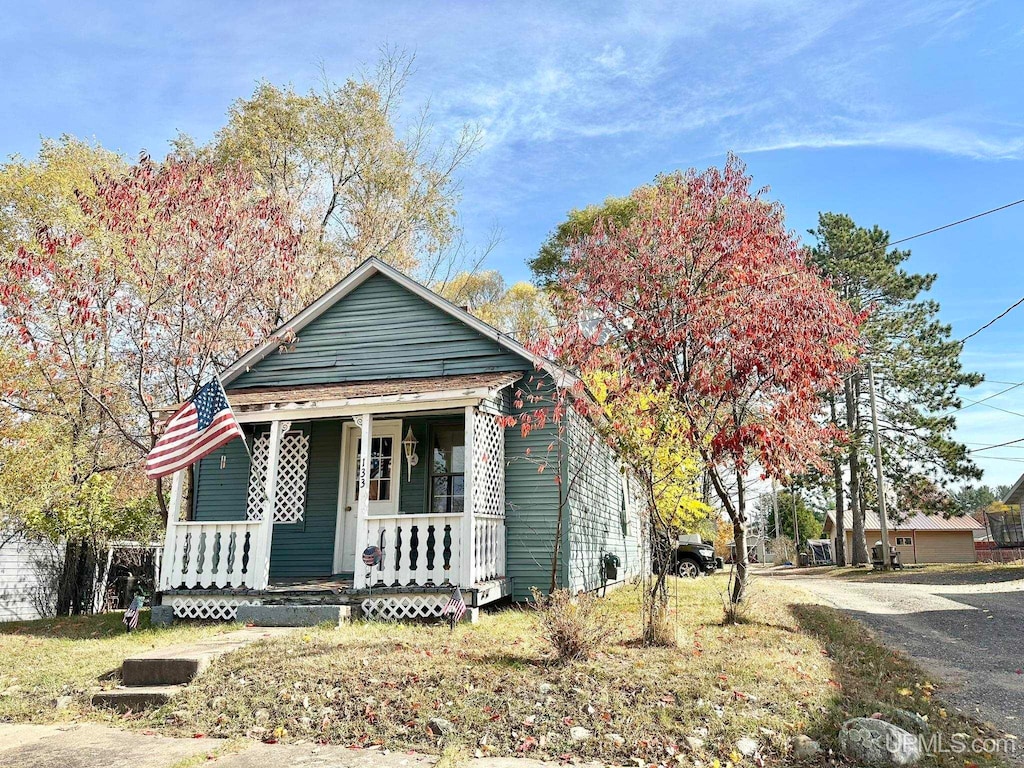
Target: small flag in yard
[131,614]
[455,608]
[198,428]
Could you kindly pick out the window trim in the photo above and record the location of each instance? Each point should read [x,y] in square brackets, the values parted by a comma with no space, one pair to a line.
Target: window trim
[904,541]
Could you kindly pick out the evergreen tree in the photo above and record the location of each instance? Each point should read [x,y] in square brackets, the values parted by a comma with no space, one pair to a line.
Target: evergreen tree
[918,374]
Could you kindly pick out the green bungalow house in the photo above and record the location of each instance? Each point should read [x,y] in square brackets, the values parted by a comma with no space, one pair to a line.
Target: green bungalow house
[373,419]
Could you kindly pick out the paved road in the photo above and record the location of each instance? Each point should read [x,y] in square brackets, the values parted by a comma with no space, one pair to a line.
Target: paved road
[967,635]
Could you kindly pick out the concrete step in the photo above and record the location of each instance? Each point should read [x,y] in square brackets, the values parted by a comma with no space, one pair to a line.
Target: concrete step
[294,615]
[179,664]
[136,698]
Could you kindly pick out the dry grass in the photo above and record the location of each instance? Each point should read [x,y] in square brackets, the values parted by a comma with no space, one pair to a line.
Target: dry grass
[49,668]
[792,668]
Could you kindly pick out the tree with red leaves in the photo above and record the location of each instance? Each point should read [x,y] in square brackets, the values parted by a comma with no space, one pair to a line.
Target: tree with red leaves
[167,272]
[703,293]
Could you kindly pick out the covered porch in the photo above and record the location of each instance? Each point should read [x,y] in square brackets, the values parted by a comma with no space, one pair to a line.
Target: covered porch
[382,495]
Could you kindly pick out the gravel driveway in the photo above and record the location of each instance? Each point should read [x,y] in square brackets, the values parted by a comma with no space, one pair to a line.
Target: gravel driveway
[968,636]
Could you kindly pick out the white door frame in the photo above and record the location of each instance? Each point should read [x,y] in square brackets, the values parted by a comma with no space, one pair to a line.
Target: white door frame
[349,439]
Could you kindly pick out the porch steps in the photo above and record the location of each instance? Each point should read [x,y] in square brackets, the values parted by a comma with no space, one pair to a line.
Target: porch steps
[153,678]
[294,615]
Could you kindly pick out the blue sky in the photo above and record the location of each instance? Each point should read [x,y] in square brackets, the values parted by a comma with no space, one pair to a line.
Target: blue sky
[904,114]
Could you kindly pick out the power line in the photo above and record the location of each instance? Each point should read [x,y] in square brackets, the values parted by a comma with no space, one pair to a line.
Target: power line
[982,401]
[993,321]
[997,445]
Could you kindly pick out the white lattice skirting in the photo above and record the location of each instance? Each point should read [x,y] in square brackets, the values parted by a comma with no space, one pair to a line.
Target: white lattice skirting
[407,607]
[210,608]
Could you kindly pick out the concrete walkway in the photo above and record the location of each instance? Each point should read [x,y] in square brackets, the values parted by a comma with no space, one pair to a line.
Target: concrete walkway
[90,745]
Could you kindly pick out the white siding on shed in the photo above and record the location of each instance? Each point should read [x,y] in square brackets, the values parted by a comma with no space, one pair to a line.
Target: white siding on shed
[25,566]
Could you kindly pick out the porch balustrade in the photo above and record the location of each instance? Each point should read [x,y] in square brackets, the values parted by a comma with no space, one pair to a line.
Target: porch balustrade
[201,555]
[488,546]
[417,550]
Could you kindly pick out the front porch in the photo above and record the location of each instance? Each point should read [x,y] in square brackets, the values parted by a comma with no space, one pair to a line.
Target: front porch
[385,501]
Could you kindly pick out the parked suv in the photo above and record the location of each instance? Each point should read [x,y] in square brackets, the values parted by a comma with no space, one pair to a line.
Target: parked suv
[694,557]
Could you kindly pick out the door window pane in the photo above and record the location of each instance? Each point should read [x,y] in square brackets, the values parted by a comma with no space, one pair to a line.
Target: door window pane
[379,477]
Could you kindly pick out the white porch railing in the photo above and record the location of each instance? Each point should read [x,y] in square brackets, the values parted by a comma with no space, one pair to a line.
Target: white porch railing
[488,546]
[212,554]
[417,550]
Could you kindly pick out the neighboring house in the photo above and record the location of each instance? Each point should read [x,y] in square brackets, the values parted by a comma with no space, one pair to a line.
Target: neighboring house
[28,570]
[919,539]
[375,372]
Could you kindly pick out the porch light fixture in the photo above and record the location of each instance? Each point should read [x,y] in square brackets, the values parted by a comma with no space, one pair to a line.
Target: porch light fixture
[411,459]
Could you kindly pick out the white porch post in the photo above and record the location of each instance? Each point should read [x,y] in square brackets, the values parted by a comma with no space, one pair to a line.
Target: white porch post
[266,536]
[169,557]
[468,553]
[365,423]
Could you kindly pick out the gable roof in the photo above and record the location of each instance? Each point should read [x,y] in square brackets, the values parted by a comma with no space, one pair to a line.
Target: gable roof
[369,268]
[919,521]
[1016,493]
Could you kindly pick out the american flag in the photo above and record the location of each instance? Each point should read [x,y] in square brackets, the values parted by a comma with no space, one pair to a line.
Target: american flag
[131,614]
[199,427]
[455,608]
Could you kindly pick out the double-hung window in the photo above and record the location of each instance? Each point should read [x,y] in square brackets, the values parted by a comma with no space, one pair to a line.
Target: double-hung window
[448,470]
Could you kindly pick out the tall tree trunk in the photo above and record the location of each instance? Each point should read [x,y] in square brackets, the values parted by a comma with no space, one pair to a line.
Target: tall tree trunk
[859,544]
[739,537]
[837,482]
[77,578]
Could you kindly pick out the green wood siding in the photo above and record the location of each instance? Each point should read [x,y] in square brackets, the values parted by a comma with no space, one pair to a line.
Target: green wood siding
[221,493]
[381,331]
[594,488]
[531,497]
[307,548]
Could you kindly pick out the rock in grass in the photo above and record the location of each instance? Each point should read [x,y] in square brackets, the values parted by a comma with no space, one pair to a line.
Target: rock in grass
[694,743]
[615,738]
[878,743]
[576,733]
[438,726]
[805,748]
[909,721]
[746,746]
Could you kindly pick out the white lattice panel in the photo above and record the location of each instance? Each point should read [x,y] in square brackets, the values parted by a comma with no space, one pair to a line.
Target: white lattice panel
[404,607]
[292,467]
[488,465]
[208,608]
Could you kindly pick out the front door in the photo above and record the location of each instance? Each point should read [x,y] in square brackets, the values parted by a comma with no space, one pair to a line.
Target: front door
[385,442]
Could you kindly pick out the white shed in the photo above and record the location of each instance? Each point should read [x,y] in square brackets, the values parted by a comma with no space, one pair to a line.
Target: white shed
[27,571]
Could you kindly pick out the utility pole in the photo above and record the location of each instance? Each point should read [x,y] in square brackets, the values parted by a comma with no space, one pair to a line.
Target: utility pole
[775,509]
[882,521]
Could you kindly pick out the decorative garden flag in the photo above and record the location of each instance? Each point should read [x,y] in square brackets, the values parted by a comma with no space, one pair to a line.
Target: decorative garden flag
[131,614]
[454,608]
[198,428]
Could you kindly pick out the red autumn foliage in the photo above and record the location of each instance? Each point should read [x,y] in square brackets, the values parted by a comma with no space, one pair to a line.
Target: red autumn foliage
[706,295]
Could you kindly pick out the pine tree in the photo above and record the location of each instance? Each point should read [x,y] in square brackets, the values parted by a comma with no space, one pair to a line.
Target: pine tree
[919,374]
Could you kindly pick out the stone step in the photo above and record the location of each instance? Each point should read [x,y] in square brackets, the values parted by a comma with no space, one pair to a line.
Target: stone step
[136,698]
[294,615]
[179,664]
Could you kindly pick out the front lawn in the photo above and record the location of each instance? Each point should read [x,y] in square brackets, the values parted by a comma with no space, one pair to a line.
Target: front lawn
[49,668]
[792,668]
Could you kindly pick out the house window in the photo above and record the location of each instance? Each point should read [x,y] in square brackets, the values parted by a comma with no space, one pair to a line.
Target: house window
[904,541]
[448,471]
[381,467]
